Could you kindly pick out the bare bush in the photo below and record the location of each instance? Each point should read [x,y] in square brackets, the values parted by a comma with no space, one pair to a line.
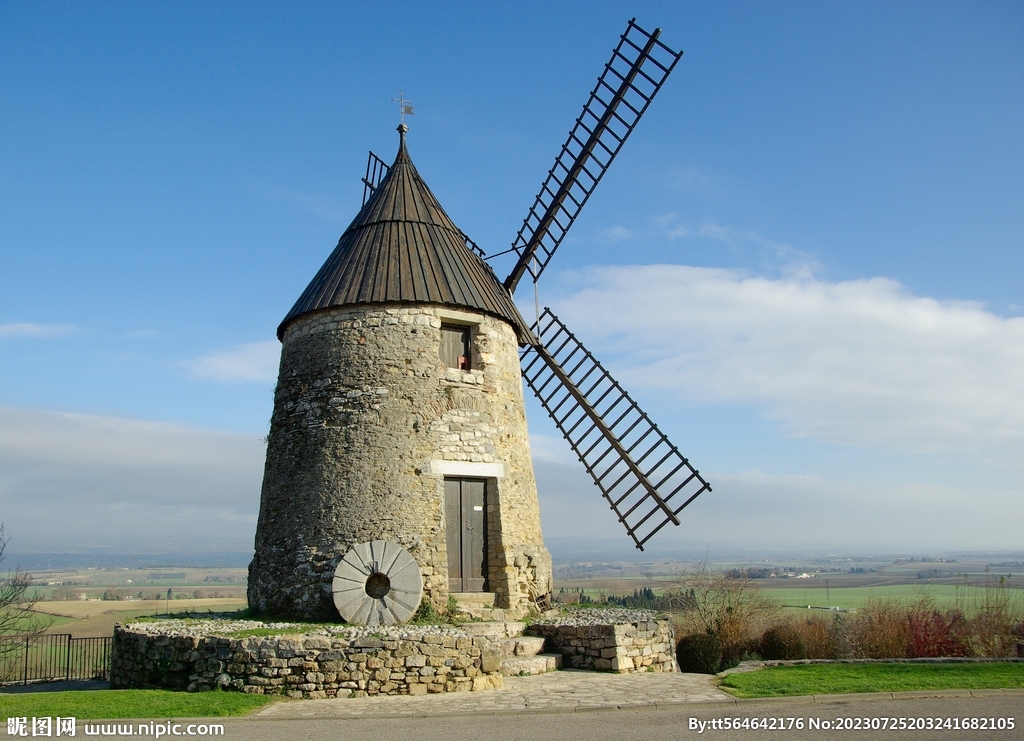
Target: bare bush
[879,630]
[725,604]
[823,636]
[996,611]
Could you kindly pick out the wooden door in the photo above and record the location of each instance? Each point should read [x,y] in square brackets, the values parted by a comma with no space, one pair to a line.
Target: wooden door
[465,509]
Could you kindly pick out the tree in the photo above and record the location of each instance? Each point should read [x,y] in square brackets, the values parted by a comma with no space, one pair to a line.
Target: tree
[16,603]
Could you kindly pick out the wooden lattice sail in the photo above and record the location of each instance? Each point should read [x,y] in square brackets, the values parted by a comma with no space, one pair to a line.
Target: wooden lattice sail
[643,476]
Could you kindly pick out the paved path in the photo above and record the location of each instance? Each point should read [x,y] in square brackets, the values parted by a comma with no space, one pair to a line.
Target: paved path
[562,691]
[587,706]
[672,723]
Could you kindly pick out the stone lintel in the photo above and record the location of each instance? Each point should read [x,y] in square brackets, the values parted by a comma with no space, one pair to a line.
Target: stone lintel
[469,469]
[454,315]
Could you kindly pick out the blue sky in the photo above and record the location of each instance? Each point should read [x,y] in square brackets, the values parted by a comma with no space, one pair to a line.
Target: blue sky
[831,195]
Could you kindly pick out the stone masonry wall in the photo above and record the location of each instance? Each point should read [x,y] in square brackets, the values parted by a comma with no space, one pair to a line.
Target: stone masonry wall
[364,408]
[310,666]
[641,645]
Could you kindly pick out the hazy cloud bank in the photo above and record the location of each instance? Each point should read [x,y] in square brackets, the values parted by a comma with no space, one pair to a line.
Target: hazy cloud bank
[755,510]
[860,362]
[72,480]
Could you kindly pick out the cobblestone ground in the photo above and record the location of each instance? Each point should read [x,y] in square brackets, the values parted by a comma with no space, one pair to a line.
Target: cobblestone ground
[556,691]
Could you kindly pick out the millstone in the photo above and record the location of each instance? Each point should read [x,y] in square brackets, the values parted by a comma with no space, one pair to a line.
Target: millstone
[377,583]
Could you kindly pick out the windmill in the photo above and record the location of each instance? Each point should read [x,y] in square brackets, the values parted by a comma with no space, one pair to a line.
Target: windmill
[398,464]
[643,477]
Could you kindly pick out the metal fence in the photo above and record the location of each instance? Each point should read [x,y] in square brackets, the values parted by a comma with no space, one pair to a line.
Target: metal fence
[53,657]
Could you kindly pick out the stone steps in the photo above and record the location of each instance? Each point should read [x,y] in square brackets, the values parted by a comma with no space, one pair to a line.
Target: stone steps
[496,630]
[522,646]
[490,614]
[474,599]
[479,606]
[523,657]
[521,666]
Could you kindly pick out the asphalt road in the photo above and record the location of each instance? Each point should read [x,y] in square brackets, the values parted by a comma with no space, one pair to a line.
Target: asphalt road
[675,723]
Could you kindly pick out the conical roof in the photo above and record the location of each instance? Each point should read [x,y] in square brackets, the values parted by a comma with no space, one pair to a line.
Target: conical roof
[403,248]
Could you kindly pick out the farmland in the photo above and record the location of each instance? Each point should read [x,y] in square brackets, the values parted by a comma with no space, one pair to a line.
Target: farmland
[88,602]
[841,582]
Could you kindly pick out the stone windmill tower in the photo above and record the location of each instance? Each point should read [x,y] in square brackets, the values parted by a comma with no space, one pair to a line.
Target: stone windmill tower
[398,464]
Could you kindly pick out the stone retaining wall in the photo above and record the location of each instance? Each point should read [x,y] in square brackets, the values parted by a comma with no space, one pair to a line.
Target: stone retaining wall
[642,645]
[311,666]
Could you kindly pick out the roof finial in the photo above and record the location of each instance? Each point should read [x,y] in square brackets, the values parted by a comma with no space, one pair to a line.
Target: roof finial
[403,153]
[405,107]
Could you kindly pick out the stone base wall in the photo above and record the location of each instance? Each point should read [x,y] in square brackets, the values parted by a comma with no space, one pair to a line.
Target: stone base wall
[309,666]
[644,645]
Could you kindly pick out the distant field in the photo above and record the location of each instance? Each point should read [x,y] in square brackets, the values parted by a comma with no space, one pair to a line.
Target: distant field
[797,596]
[84,608]
[85,619]
[854,597]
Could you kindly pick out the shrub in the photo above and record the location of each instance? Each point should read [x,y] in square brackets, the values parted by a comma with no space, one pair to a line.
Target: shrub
[700,653]
[734,653]
[782,642]
[822,636]
[880,631]
[725,604]
[932,632]
[996,609]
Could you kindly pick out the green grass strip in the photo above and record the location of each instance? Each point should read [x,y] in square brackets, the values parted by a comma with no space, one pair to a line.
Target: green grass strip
[833,679]
[115,704]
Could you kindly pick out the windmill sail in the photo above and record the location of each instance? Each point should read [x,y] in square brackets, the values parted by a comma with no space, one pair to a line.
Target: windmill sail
[376,169]
[644,477]
[638,68]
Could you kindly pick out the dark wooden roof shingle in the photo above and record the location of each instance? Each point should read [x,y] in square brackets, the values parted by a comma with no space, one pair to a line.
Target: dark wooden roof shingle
[403,248]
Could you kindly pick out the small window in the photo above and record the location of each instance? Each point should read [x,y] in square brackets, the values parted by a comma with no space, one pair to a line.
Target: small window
[455,346]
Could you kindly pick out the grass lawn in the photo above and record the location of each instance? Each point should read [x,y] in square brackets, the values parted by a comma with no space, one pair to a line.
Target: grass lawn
[113,704]
[831,679]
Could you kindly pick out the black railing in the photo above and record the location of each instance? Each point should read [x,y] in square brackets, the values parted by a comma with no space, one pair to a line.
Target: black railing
[53,658]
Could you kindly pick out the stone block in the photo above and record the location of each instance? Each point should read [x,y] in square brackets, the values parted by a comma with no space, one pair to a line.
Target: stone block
[490,660]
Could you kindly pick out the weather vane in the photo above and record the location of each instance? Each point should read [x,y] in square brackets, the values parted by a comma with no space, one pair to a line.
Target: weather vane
[404,106]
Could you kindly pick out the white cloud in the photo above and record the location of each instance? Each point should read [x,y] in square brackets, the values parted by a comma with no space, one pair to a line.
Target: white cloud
[253,361]
[73,480]
[547,448]
[862,362]
[617,233]
[794,263]
[29,329]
